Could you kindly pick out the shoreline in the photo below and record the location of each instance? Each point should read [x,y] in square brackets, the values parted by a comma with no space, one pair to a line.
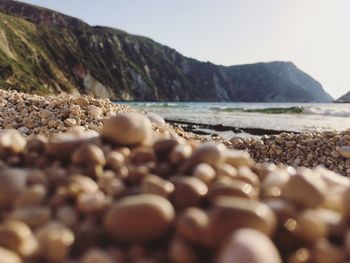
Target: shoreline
[79,187]
[192,126]
[33,115]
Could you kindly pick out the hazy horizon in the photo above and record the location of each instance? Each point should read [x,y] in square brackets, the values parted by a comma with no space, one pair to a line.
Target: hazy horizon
[313,34]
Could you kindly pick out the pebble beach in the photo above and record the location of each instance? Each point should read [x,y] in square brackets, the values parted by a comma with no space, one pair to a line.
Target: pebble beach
[83,180]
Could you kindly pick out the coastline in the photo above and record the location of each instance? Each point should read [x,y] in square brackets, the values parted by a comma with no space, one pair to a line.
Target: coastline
[196,128]
[47,115]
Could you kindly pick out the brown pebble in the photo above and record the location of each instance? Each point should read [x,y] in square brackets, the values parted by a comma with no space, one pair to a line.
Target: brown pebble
[55,241]
[231,188]
[12,184]
[189,191]
[238,158]
[11,142]
[204,172]
[153,184]
[231,213]
[344,151]
[89,154]
[17,236]
[180,153]
[209,153]
[128,129]
[192,224]
[309,227]
[91,203]
[305,189]
[139,218]
[81,101]
[8,256]
[249,245]
[115,160]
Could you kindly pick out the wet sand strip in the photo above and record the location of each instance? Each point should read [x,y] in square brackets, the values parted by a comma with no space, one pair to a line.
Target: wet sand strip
[195,128]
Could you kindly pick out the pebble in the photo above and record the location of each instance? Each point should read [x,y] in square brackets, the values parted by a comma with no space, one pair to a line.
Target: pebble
[12,184]
[139,218]
[55,241]
[70,122]
[231,213]
[204,172]
[11,142]
[240,248]
[128,129]
[305,189]
[155,118]
[344,151]
[189,191]
[9,256]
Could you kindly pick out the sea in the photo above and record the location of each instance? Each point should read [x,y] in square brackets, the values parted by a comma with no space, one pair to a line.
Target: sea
[292,117]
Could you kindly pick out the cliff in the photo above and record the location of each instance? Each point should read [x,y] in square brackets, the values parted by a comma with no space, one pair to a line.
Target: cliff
[43,51]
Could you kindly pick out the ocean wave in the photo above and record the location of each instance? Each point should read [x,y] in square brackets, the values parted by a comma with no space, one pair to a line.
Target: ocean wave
[274,110]
[339,112]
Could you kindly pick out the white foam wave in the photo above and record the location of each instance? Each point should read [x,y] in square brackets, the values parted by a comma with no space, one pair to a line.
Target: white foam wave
[340,112]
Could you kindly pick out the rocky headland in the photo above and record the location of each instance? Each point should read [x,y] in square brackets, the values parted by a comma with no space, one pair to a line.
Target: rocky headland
[46,52]
[344,99]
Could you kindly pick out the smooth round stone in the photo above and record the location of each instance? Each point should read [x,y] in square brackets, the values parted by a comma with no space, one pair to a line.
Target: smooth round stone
[231,213]
[344,151]
[209,153]
[153,184]
[155,118]
[81,101]
[9,256]
[306,189]
[17,236]
[55,241]
[89,154]
[204,172]
[11,141]
[139,218]
[231,188]
[128,129]
[309,226]
[12,184]
[238,158]
[192,224]
[249,245]
[189,191]
[70,122]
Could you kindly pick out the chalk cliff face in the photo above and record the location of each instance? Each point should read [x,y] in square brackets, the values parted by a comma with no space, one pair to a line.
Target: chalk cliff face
[345,98]
[43,51]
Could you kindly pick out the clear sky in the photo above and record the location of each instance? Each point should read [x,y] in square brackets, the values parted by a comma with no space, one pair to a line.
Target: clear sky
[314,34]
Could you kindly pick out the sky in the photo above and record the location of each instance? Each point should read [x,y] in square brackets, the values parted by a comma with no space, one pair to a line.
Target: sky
[313,34]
